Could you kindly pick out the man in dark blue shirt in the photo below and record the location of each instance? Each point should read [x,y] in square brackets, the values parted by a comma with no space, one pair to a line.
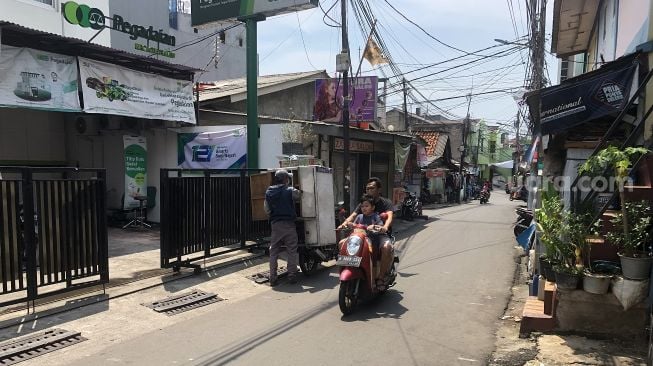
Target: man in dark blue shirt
[280,206]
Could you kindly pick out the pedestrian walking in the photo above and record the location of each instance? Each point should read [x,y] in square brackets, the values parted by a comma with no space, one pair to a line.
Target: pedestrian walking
[280,207]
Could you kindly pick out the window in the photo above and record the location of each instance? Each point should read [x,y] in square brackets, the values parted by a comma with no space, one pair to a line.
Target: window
[49,2]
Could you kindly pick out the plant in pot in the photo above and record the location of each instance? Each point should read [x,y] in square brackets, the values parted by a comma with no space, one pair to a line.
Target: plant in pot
[549,226]
[574,231]
[597,275]
[617,161]
[632,234]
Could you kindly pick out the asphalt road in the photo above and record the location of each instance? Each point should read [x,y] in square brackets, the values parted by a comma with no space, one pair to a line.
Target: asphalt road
[454,282]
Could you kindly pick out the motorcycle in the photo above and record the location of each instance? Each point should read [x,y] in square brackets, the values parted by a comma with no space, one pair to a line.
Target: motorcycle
[358,265]
[484,196]
[411,207]
[520,194]
[426,197]
[524,219]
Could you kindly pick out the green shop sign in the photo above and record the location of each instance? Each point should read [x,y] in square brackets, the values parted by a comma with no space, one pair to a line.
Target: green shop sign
[87,17]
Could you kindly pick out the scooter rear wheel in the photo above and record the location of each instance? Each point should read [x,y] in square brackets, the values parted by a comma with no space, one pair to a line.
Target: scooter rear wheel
[346,298]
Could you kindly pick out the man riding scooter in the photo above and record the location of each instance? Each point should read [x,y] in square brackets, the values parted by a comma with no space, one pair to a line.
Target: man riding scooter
[381,205]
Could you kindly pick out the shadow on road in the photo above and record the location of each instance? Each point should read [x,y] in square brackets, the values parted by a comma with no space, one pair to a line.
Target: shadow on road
[387,305]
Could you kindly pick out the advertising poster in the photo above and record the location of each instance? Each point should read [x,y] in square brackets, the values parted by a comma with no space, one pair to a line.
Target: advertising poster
[110,89]
[37,79]
[135,170]
[328,100]
[212,150]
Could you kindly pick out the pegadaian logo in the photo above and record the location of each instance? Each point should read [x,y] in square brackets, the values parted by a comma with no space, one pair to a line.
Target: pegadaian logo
[87,17]
[83,15]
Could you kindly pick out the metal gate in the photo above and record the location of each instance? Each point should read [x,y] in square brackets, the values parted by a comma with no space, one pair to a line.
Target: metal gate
[205,210]
[52,231]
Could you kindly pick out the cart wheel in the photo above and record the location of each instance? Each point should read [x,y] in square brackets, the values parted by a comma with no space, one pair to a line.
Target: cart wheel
[307,263]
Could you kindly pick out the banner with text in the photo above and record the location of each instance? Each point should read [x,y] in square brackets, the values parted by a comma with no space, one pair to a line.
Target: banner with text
[111,89]
[36,79]
[212,150]
[135,170]
[328,100]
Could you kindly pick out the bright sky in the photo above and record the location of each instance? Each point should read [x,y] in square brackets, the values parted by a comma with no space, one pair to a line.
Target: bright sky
[305,41]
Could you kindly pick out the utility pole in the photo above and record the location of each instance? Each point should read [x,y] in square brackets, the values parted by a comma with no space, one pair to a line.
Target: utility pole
[342,64]
[463,147]
[406,108]
[515,164]
[538,22]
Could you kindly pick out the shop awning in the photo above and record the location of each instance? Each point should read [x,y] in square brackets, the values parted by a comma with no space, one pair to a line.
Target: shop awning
[586,97]
[504,164]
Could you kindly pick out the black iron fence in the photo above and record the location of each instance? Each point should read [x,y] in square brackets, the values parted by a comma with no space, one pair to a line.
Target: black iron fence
[205,213]
[52,231]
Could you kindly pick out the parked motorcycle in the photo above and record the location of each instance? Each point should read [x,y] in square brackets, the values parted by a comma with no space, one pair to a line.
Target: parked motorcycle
[484,196]
[411,207]
[358,265]
[426,197]
[524,219]
[520,194]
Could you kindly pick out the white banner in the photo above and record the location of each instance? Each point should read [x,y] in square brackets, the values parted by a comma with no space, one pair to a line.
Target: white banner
[110,89]
[37,79]
[212,150]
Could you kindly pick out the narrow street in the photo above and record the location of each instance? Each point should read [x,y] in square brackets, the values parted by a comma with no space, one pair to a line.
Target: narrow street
[454,281]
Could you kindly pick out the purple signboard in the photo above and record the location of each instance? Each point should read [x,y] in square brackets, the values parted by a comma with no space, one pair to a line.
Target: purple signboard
[328,100]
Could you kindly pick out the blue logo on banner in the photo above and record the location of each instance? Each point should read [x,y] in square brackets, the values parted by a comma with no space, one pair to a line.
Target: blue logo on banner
[202,153]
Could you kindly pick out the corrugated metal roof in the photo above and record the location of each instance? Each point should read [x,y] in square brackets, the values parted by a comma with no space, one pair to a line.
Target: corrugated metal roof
[19,36]
[237,88]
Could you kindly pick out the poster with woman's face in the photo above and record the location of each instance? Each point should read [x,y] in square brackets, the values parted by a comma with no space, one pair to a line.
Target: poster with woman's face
[329,100]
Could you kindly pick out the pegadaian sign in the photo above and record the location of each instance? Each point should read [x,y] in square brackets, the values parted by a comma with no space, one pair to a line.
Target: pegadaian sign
[207,11]
[87,17]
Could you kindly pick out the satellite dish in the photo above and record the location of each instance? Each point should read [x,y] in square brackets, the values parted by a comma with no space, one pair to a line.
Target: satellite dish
[391,127]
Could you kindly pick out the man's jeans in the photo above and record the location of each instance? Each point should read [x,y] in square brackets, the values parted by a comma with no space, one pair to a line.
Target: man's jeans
[283,232]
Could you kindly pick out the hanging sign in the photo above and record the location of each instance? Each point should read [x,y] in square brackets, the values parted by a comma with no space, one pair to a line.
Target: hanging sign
[212,150]
[135,170]
[36,79]
[206,11]
[354,145]
[110,89]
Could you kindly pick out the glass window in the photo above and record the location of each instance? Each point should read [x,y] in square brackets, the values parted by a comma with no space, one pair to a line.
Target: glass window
[49,2]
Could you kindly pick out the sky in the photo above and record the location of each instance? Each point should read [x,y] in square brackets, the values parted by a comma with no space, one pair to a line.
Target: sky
[309,40]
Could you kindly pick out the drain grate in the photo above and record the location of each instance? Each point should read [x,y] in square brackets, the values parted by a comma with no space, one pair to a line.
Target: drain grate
[37,344]
[183,302]
[263,277]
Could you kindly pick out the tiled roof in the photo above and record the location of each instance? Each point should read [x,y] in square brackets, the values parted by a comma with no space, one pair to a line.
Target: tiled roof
[431,138]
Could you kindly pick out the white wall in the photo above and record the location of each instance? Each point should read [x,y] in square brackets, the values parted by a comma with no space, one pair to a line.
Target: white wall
[202,55]
[633,25]
[607,30]
[47,18]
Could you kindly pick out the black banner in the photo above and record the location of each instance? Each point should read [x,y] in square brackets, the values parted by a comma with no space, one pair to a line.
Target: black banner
[587,97]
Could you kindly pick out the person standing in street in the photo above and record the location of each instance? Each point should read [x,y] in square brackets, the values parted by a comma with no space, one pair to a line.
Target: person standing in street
[280,206]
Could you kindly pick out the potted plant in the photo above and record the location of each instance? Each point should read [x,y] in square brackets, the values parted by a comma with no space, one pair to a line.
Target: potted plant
[632,233]
[618,162]
[549,226]
[573,233]
[597,275]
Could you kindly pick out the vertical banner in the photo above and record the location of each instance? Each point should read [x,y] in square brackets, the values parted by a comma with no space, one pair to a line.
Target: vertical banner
[401,155]
[212,150]
[38,79]
[135,170]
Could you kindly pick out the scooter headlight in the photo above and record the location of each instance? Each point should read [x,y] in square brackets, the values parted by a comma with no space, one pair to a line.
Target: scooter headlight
[354,244]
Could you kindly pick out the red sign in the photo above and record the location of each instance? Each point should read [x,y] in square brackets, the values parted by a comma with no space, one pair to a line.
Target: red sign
[354,145]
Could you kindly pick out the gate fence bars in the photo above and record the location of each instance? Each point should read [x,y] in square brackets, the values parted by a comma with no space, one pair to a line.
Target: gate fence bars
[53,231]
[205,210]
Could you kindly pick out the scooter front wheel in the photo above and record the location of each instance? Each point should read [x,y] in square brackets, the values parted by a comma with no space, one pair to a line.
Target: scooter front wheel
[346,297]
